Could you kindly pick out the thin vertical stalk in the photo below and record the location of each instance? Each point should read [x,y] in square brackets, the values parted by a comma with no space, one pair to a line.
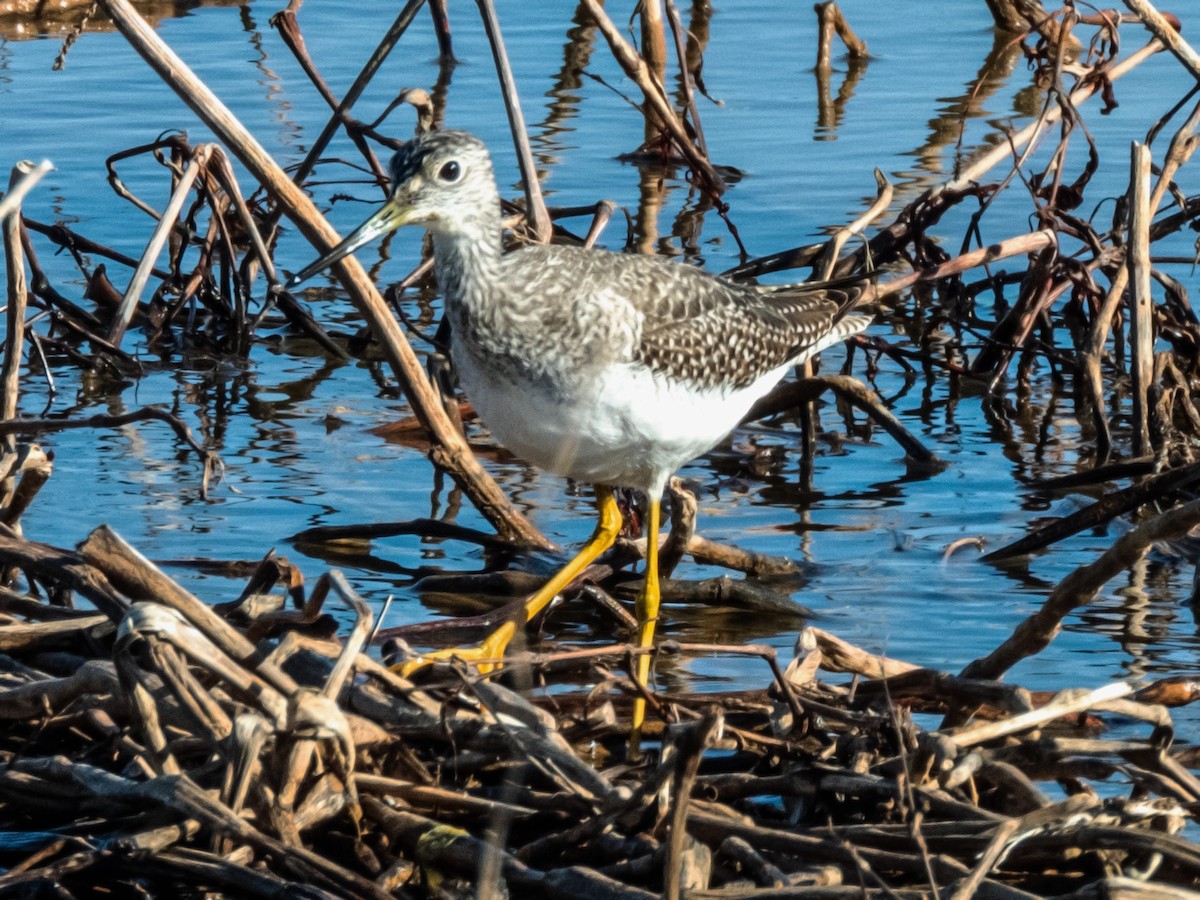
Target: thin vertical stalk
[685,75]
[654,52]
[385,47]
[14,260]
[1141,330]
[535,205]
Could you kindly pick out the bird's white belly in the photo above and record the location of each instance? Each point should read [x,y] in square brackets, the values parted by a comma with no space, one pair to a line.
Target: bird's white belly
[627,427]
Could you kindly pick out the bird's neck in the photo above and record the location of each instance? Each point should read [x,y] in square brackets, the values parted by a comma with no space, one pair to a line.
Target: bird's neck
[466,262]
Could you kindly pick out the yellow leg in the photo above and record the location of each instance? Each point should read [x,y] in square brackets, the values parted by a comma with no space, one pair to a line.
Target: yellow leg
[647,616]
[493,646]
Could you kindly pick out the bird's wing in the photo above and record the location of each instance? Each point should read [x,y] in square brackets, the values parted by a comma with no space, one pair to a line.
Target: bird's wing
[711,332]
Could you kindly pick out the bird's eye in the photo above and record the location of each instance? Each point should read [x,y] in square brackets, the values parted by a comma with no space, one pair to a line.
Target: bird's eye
[450,172]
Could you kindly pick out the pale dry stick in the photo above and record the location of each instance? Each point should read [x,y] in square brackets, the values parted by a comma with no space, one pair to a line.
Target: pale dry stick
[841,656]
[450,450]
[26,175]
[600,219]
[142,709]
[1158,25]
[829,256]
[824,35]
[35,468]
[1101,325]
[1036,632]
[1141,331]
[166,224]
[1153,713]
[535,205]
[293,38]
[901,230]
[954,546]
[355,641]
[443,799]
[1034,130]
[654,52]
[855,45]
[830,21]
[1033,242]
[193,697]
[1065,703]
[654,40]
[183,796]
[21,180]
[690,746]
[23,637]
[637,70]
[30,701]
[1183,144]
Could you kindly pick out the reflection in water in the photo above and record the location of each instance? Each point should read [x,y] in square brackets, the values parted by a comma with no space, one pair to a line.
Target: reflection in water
[949,127]
[565,92]
[830,111]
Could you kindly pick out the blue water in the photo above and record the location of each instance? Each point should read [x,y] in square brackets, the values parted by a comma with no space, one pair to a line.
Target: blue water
[292,426]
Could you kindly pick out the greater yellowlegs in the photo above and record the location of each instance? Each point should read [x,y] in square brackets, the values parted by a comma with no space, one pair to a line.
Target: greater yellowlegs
[603,367]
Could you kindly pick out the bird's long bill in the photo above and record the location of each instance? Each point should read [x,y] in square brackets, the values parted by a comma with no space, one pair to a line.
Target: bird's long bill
[387,218]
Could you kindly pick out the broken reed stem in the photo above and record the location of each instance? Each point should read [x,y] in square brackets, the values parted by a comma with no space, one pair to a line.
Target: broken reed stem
[1178,152]
[1022,244]
[1163,30]
[656,99]
[535,206]
[31,174]
[654,52]
[166,225]
[293,38]
[35,467]
[146,413]
[450,449]
[884,190]
[140,579]
[792,394]
[830,21]
[824,36]
[1141,312]
[1101,326]
[17,296]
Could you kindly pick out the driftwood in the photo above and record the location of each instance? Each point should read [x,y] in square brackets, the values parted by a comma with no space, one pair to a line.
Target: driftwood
[277,770]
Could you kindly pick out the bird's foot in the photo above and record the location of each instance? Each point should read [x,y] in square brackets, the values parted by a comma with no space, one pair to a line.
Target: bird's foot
[486,656]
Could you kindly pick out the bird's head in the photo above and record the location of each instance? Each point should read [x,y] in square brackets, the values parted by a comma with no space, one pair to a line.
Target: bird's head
[441,180]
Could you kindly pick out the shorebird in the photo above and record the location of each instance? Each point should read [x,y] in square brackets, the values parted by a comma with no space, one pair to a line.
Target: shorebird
[604,367]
